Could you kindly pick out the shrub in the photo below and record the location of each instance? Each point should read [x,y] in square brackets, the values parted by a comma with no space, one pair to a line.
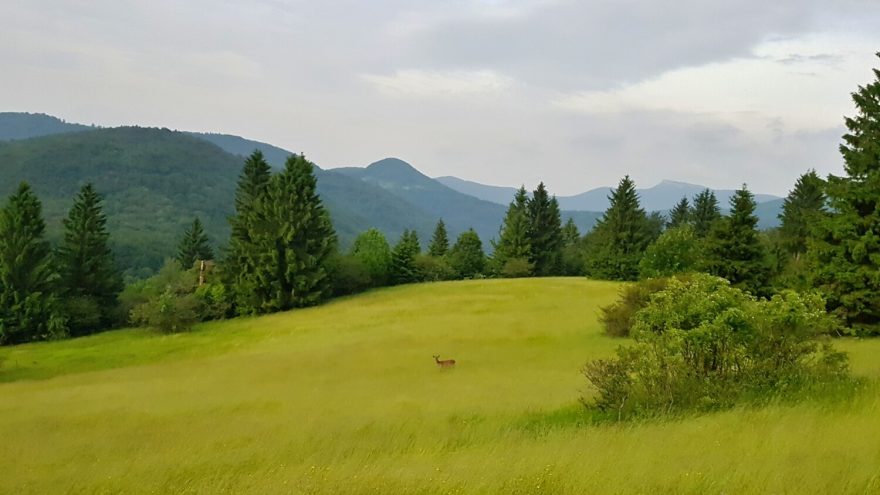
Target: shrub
[517,268]
[169,312]
[349,275]
[678,250]
[618,318]
[701,344]
[433,268]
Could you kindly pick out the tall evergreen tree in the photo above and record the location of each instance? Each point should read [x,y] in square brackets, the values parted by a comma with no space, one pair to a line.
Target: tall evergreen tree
[733,248]
[466,256]
[620,237]
[705,213]
[440,241]
[801,210]
[846,252]
[194,246]
[545,232]
[89,279]
[403,267]
[292,241]
[514,242]
[570,233]
[28,281]
[680,214]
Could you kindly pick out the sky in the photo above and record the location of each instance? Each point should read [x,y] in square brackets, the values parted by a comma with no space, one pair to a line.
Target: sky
[507,92]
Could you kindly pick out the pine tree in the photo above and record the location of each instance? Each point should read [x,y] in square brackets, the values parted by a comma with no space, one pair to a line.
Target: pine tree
[620,237]
[466,256]
[89,279]
[440,241]
[514,242]
[545,232]
[28,282]
[733,248]
[801,210]
[705,213]
[846,251]
[194,246]
[403,268]
[570,233]
[680,214]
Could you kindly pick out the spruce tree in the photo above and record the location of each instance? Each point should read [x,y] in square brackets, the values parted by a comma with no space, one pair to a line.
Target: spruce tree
[514,242]
[466,256]
[620,237]
[680,214]
[733,248]
[403,268]
[89,279]
[28,281]
[846,251]
[570,233]
[545,232]
[705,212]
[801,210]
[440,241]
[194,246]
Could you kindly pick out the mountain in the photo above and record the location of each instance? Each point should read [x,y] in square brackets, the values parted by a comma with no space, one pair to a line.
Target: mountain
[242,147]
[16,125]
[497,194]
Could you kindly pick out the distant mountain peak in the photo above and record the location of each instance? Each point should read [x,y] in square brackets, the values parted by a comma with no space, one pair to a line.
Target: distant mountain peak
[392,163]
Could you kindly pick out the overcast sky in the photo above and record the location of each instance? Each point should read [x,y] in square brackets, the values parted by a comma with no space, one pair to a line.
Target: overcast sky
[505,92]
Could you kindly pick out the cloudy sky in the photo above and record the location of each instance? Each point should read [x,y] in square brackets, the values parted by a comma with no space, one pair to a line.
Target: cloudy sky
[574,93]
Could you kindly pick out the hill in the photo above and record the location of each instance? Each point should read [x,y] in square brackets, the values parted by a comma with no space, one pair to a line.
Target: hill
[17,125]
[345,398]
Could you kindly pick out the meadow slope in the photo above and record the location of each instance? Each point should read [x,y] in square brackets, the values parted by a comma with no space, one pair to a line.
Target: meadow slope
[345,398]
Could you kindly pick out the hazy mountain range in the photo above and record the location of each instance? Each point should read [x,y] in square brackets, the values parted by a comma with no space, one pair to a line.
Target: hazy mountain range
[156,180]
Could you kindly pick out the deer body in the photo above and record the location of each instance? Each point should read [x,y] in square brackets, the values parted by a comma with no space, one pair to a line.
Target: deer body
[444,363]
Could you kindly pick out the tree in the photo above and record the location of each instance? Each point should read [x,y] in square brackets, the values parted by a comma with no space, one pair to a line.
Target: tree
[28,282]
[802,208]
[194,246]
[440,241]
[545,232]
[733,248]
[680,214]
[403,266]
[90,282]
[572,250]
[620,237]
[705,212]
[372,250]
[466,256]
[676,251]
[845,255]
[514,241]
[570,233]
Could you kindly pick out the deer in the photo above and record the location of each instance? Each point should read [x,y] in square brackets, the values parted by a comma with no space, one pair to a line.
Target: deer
[445,363]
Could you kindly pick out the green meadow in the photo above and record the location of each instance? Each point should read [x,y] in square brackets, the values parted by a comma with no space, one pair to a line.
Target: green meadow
[346,398]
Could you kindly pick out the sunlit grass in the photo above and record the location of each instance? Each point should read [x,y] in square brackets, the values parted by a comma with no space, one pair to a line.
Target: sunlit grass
[345,398]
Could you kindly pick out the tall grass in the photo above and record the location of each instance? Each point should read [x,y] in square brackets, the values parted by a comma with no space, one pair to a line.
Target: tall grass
[346,398]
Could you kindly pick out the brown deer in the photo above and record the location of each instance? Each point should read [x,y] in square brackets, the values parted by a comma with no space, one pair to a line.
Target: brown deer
[445,363]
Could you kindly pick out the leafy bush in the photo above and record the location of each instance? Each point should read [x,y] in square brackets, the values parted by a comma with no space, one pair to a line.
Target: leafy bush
[171,311]
[701,344]
[517,268]
[434,268]
[619,317]
[678,250]
[348,275]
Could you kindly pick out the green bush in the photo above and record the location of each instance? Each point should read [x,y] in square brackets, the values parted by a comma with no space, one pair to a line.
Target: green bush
[433,268]
[678,250]
[701,344]
[618,318]
[169,312]
[517,268]
[349,275]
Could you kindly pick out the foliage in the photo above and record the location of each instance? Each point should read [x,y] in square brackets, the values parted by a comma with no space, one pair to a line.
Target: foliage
[28,281]
[680,215]
[434,268]
[545,232]
[194,245]
[705,213]
[618,318]
[89,279]
[514,239]
[704,345]
[403,268]
[802,208]
[440,241]
[517,268]
[466,256]
[570,233]
[845,254]
[678,250]
[372,251]
[348,275]
[620,237]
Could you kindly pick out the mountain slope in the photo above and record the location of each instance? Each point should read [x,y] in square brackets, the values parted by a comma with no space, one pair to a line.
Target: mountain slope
[18,125]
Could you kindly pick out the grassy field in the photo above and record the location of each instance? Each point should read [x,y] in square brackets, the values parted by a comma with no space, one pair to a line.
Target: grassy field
[346,398]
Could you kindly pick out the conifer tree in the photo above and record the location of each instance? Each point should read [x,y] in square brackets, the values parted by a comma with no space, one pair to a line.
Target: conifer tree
[403,268]
[89,279]
[194,246]
[440,241]
[680,214]
[705,212]
[570,233]
[514,242]
[846,252]
[733,248]
[801,210]
[466,256]
[620,237]
[28,282]
[545,232]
